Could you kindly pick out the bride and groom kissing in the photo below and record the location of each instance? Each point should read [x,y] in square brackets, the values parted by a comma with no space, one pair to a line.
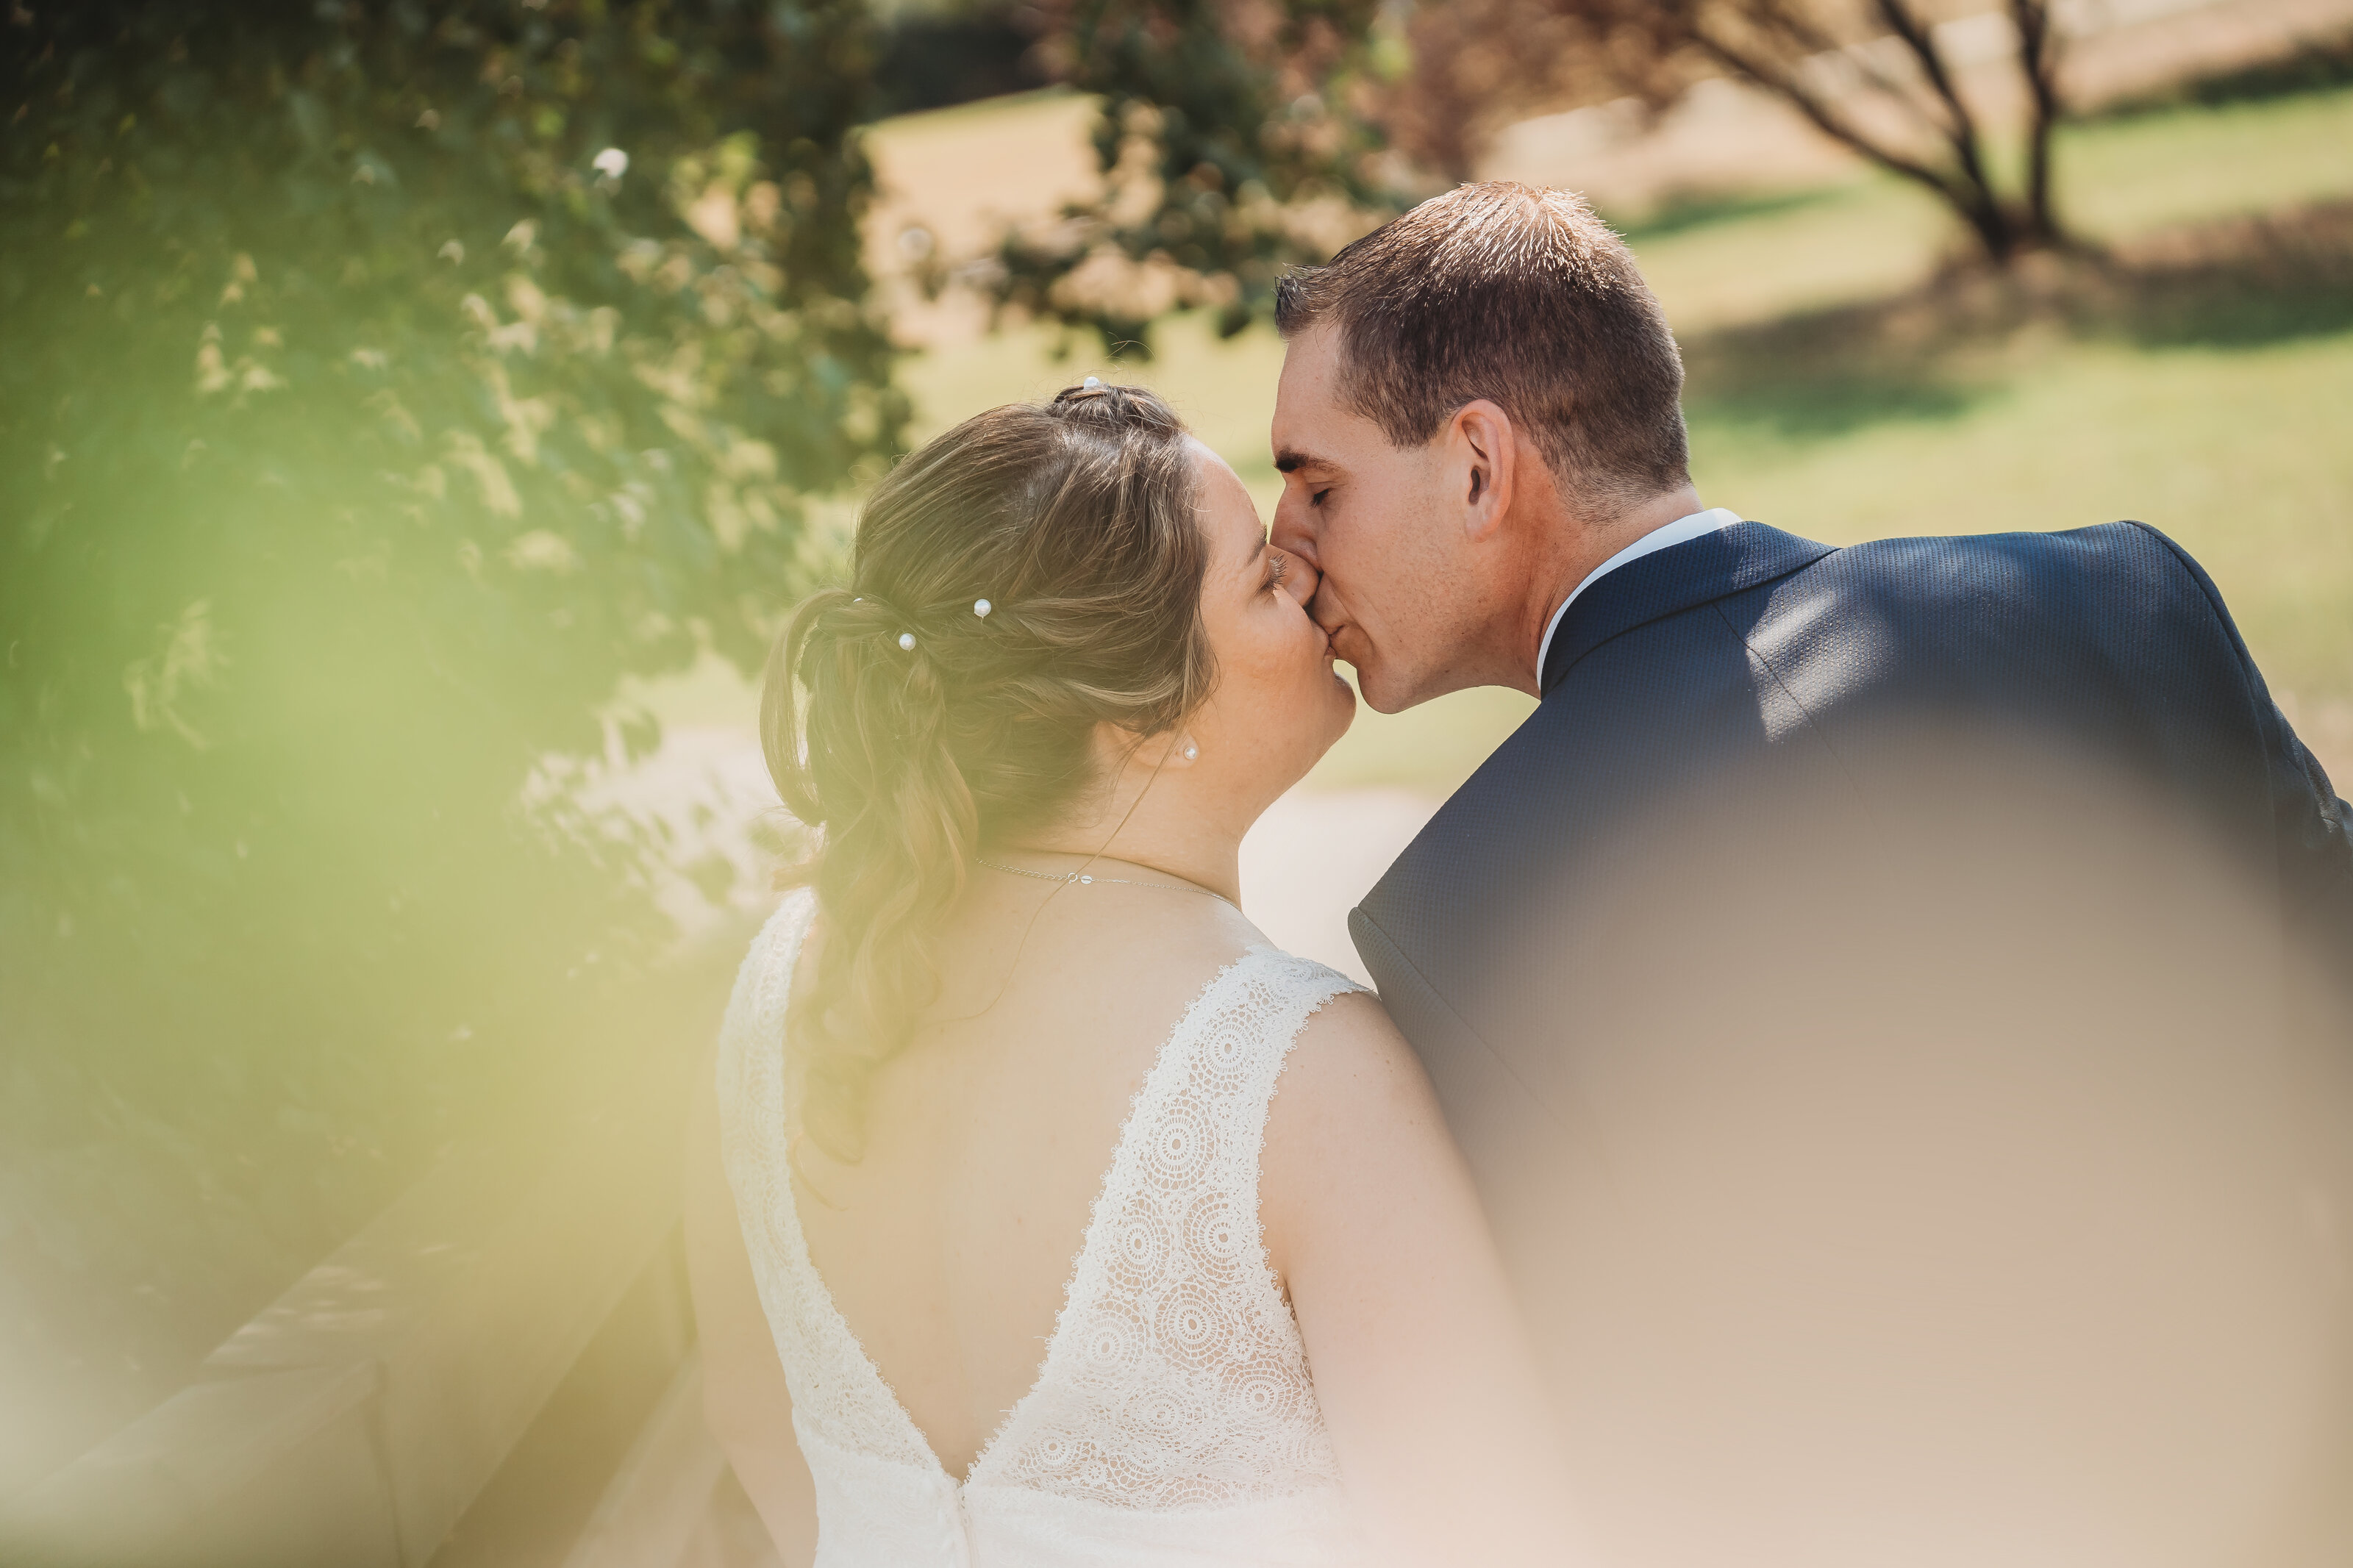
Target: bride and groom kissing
[1039,1212]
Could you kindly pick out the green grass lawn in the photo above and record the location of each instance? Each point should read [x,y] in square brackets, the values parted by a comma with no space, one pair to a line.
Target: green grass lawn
[2241,450]
[2123,176]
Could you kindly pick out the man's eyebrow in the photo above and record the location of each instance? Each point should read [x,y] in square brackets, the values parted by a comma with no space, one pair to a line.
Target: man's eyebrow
[1288,462]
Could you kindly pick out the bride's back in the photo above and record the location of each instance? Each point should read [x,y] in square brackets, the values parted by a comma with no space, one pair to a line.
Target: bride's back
[962,1042]
[948,1245]
[1067,676]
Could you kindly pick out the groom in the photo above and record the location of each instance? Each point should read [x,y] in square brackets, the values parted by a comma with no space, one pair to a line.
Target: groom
[1827,843]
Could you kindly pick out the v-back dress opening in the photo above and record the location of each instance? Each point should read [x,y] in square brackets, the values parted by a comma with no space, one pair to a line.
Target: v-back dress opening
[1172,1421]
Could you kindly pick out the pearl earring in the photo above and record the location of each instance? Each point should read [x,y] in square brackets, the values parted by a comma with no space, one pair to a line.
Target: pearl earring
[1191,750]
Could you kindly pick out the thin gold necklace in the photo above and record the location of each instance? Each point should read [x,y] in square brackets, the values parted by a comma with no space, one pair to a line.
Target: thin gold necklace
[1086,879]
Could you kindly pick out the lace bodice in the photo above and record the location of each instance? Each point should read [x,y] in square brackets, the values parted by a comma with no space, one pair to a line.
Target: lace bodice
[1173,1420]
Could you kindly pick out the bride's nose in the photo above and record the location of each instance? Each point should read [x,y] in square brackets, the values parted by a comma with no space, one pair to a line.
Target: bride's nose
[1300,577]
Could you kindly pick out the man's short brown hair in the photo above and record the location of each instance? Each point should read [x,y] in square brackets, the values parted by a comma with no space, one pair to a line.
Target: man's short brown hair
[1514,294]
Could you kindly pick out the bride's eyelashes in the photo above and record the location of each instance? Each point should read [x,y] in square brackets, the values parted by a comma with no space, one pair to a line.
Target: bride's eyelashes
[1278,567]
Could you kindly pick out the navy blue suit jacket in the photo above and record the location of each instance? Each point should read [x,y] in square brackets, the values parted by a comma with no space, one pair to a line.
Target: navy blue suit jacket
[1752,649]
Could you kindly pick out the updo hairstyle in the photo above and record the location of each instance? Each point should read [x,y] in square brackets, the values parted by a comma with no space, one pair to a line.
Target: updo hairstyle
[912,728]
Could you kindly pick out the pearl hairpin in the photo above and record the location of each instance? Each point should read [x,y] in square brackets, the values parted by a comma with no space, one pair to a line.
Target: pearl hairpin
[981,607]
[907,641]
[1092,383]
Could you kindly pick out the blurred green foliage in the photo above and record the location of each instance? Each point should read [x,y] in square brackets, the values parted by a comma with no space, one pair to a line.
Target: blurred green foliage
[381,383]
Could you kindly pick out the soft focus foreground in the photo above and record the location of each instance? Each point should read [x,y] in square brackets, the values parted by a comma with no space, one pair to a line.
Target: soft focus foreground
[1975,1196]
[387,456]
[335,376]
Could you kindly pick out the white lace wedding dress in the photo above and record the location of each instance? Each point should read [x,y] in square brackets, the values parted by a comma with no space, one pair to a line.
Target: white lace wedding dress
[1173,1421]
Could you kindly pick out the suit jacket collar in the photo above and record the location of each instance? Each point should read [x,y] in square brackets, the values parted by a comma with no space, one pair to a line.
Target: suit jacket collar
[1697,571]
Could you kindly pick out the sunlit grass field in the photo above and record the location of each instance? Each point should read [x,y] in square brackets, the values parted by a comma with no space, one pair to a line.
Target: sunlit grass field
[2239,442]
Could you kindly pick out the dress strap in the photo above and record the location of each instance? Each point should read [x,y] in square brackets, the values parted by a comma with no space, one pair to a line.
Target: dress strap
[1217,1074]
[755,1008]
[1174,1343]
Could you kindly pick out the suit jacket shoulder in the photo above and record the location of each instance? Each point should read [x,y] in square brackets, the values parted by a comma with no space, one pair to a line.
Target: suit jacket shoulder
[1754,647]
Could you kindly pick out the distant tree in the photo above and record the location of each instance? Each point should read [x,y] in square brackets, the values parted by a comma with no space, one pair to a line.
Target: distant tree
[1236,138]
[1481,64]
[1878,75]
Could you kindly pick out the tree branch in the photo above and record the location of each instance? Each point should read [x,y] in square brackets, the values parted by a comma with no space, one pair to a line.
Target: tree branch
[1922,42]
[1827,120]
[1811,41]
[1963,131]
[2038,62]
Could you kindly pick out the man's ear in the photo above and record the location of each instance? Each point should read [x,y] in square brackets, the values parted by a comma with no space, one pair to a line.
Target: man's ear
[1485,457]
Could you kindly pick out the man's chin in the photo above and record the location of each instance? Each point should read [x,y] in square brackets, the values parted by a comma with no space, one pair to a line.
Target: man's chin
[1376,680]
[1380,695]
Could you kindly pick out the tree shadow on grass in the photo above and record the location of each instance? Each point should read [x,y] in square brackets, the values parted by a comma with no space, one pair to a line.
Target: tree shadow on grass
[2323,65]
[2240,283]
[1820,374]
[1933,351]
[1810,381]
[1689,209]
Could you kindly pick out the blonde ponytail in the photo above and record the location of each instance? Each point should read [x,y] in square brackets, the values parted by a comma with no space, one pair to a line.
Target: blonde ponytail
[910,727]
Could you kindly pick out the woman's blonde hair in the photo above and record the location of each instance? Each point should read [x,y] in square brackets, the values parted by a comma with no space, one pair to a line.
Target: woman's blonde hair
[911,728]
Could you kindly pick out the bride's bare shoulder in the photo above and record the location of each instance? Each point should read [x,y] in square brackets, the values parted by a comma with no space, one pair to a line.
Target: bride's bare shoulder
[1351,1075]
[1354,1127]
[1348,1050]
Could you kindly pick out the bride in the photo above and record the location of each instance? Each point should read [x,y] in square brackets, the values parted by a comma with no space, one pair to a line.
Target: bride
[1039,1213]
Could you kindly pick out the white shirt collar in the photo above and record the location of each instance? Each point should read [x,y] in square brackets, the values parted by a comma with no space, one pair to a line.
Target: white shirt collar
[1676,532]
